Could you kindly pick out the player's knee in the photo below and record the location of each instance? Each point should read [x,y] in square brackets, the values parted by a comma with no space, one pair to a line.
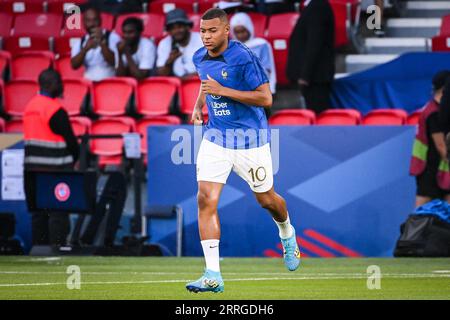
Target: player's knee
[206,200]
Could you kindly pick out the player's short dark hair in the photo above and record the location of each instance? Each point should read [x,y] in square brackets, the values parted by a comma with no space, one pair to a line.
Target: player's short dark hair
[215,13]
[136,22]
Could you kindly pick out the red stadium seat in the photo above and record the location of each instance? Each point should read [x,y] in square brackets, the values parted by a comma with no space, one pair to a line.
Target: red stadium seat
[385,117]
[154,121]
[278,33]
[2,125]
[63,45]
[204,5]
[39,25]
[440,43]
[76,92]
[29,65]
[413,118]
[62,6]
[6,24]
[259,23]
[81,125]
[188,95]
[23,6]
[110,151]
[293,117]
[195,18]
[65,69]
[164,6]
[154,95]
[5,60]
[20,44]
[445,26]
[17,95]
[153,24]
[14,125]
[112,96]
[107,23]
[339,117]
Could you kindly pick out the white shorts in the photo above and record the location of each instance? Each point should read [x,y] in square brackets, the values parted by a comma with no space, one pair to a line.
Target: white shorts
[214,164]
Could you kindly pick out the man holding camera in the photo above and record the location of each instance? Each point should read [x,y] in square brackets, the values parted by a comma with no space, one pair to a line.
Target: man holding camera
[97,50]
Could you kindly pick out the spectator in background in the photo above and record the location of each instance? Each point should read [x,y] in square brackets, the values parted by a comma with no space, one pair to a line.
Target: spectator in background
[97,50]
[175,52]
[311,57]
[242,29]
[136,55]
[116,7]
[429,151]
[269,7]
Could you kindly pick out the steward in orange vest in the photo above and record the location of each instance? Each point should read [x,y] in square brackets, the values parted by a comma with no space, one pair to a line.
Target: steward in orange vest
[49,144]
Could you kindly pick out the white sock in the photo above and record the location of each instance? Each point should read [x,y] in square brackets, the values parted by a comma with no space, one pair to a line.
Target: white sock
[285,228]
[211,253]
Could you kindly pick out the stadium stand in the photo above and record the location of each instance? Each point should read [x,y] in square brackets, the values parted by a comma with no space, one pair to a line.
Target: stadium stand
[58,6]
[64,67]
[188,95]
[278,33]
[107,104]
[441,42]
[28,65]
[20,7]
[348,117]
[155,95]
[110,151]
[76,94]
[81,125]
[293,117]
[153,24]
[38,24]
[162,6]
[17,95]
[6,25]
[385,117]
[5,60]
[14,125]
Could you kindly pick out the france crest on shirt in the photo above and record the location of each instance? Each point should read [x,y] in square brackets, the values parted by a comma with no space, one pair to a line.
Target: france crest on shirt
[233,124]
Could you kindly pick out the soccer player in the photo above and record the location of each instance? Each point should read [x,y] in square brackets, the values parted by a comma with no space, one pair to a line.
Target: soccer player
[236,90]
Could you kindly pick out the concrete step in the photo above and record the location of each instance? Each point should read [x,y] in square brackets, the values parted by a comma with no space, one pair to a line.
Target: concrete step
[412,27]
[427,8]
[396,45]
[360,62]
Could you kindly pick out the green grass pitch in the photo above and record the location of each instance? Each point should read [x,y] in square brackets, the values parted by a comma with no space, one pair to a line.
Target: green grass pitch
[155,278]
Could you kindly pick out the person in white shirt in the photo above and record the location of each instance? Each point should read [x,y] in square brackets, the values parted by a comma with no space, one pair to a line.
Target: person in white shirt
[242,29]
[136,54]
[175,52]
[97,50]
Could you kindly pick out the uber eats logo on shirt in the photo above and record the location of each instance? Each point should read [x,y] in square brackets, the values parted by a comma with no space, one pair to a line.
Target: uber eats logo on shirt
[219,106]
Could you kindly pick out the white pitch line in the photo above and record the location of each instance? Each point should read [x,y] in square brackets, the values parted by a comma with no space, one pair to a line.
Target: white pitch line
[227,280]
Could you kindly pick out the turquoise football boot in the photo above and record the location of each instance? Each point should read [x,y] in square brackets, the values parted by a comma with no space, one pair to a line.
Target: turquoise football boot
[291,252]
[210,282]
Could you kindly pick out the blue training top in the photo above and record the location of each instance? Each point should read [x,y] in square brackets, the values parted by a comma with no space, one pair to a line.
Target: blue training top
[233,124]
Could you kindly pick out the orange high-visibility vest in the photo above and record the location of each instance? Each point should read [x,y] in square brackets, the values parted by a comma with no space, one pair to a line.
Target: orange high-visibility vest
[42,145]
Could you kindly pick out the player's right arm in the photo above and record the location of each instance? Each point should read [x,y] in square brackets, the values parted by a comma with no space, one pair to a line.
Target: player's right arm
[197,116]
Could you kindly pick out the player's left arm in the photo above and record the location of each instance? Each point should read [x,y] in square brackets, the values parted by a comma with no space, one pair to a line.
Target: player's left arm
[261,96]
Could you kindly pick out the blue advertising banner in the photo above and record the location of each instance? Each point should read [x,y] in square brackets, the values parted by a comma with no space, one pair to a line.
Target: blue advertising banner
[347,191]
